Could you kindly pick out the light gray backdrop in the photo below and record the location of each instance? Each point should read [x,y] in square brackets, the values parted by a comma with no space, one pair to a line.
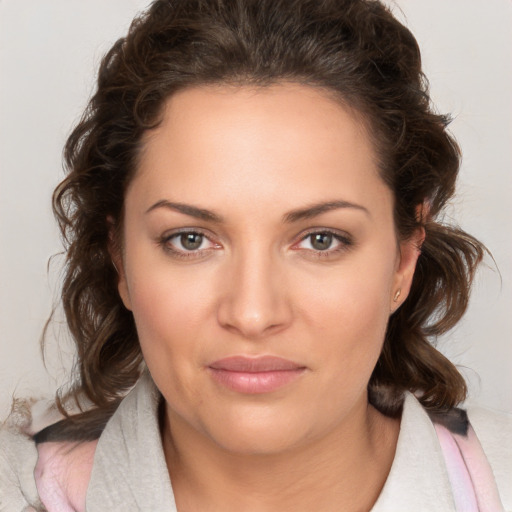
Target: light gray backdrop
[49,51]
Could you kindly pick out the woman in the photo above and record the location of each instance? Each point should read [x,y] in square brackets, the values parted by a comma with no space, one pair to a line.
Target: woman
[253,246]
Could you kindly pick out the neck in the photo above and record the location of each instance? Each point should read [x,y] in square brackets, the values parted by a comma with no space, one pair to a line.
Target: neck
[344,470]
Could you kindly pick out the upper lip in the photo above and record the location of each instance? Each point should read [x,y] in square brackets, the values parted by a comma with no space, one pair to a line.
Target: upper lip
[255,364]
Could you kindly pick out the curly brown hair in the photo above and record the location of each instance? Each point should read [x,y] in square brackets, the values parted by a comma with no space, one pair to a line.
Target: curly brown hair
[353,48]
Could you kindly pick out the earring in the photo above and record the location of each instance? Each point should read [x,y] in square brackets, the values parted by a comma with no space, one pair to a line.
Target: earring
[114,265]
[397,294]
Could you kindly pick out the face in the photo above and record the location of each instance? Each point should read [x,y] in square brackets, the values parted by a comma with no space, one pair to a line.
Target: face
[260,261]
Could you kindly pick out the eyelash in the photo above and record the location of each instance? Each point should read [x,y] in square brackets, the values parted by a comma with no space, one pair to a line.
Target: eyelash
[345,243]
[180,254]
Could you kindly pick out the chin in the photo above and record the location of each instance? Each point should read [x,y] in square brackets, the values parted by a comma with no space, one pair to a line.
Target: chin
[258,442]
[259,431]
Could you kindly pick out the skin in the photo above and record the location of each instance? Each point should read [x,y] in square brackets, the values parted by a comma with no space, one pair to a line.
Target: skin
[261,286]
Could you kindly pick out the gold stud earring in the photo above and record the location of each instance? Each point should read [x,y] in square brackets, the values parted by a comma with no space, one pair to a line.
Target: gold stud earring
[397,294]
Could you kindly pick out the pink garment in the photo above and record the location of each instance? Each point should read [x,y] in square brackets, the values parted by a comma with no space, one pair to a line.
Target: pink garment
[62,475]
[471,477]
[64,469]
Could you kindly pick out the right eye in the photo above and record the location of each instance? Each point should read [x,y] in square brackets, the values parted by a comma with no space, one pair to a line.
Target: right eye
[187,244]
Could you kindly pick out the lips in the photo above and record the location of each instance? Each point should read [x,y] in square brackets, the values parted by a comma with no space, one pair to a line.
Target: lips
[263,374]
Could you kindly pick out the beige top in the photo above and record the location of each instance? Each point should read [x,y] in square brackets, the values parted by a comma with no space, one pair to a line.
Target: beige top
[130,472]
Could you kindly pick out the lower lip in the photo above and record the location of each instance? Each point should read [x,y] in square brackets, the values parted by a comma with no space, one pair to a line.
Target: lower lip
[255,382]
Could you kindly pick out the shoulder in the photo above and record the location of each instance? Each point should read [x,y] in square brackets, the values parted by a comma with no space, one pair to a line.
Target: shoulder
[62,474]
[459,456]
[494,431]
[51,476]
[18,458]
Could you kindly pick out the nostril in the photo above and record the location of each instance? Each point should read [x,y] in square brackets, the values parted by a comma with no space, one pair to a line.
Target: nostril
[253,326]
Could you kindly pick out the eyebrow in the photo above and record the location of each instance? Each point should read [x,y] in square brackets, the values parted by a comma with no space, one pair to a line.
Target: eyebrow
[307,212]
[188,209]
[317,209]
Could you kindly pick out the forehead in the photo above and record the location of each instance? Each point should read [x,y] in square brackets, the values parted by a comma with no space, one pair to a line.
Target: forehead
[280,145]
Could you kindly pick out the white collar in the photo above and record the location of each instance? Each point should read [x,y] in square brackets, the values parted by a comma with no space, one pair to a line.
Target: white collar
[418,480]
[130,472]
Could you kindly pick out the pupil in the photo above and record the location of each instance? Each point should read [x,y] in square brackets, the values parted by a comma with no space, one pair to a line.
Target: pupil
[191,241]
[322,241]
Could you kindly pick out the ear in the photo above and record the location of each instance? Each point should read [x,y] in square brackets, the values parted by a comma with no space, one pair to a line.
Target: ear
[116,255]
[409,251]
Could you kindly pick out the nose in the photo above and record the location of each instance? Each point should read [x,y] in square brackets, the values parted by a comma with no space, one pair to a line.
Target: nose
[255,301]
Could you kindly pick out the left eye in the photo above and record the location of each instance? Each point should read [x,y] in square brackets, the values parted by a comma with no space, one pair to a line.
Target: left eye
[323,241]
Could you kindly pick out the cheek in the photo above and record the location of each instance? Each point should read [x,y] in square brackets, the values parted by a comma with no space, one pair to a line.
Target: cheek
[167,314]
[353,296]
[349,311]
[168,326]
[165,297]
[168,307]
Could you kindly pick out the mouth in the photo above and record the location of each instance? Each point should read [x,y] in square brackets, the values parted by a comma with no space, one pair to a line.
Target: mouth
[255,375]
